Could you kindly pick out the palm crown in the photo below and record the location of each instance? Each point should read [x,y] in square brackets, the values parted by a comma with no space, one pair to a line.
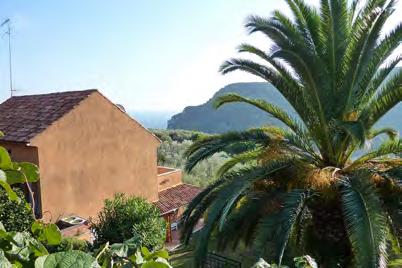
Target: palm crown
[293,187]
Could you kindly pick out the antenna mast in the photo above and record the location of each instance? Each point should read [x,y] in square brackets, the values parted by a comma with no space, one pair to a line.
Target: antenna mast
[7,23]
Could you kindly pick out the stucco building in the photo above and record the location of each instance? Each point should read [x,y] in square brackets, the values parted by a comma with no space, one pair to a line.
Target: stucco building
[87,149]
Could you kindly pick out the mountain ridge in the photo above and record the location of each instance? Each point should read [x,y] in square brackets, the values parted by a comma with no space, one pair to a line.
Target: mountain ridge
[241,116]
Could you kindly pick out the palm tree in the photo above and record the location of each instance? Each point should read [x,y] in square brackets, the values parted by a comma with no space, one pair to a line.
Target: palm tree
[311,187]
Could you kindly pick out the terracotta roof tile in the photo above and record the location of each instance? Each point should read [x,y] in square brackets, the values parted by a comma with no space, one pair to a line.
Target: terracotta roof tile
[24,117]
[176,197]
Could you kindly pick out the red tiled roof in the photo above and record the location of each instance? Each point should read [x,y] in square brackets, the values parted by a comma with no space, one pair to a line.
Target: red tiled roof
[176,197]
[24,117]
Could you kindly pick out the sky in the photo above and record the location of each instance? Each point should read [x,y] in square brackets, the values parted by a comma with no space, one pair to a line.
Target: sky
[152,55]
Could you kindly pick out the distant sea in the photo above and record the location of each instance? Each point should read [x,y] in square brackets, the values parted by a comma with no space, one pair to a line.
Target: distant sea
[152,119]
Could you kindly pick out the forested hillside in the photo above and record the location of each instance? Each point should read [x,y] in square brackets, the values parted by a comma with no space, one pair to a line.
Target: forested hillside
[170,153]
[230,117]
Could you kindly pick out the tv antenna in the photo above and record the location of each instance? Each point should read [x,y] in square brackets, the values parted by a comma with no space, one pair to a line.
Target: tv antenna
[7,23]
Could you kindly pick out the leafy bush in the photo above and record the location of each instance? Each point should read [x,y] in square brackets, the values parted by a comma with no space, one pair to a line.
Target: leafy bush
[14,215]
[125,217]
[71,243]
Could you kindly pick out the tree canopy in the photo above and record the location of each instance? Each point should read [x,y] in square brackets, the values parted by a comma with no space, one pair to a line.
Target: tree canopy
[303,186]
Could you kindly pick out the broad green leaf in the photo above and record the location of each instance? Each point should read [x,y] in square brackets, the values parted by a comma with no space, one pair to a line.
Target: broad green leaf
[4,234]
[5,160]
[137,258]
[133,243]
[395,263]
[48,233]
[11,194]
[120,249]
[6,186]
[37,227]
[155,264]
[159,254]
[68,259]
[4,263]
[31,171]
[52,234]
[15,176]
[145,252]
[20,246]
[162,260]
[3,176]
[37,248]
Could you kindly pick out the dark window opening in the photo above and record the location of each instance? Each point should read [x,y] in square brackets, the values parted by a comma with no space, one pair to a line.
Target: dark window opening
[37,202]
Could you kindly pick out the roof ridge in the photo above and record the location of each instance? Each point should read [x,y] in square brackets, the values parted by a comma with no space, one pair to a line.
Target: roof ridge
[54,93]
[24,117]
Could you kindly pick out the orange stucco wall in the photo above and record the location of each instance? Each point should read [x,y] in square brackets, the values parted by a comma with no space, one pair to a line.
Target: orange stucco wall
[168,177]
[92,153]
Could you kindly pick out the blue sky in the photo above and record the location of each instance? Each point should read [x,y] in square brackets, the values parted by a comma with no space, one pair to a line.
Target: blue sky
[146,55]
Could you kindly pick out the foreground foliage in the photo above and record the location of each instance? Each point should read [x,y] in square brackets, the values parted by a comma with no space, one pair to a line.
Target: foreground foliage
[14,215]
[312,183]
[23,249]
[299,262]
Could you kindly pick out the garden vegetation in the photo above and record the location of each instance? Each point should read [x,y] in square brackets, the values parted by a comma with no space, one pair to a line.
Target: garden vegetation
[14,215]
[123,218]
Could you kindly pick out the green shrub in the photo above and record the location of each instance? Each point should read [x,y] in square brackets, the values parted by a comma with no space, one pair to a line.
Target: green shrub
[71,243]
[125,217]
[15,216]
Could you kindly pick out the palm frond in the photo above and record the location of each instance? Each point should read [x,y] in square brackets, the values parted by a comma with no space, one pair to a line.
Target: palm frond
[241,158]
[388,98]
[280,76]
[355,129]
[377,81]
[365,222]
[395,174]
[361,45]
[277,227]
[369,58]
[241,223]
[205,147]
[306,19]
[196,208]
[227,194]
[386,148]
[270,108]
[390,132]
[334,33]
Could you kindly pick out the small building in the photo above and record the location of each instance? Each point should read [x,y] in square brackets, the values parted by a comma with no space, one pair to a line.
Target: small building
[174,195]
[87,149]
